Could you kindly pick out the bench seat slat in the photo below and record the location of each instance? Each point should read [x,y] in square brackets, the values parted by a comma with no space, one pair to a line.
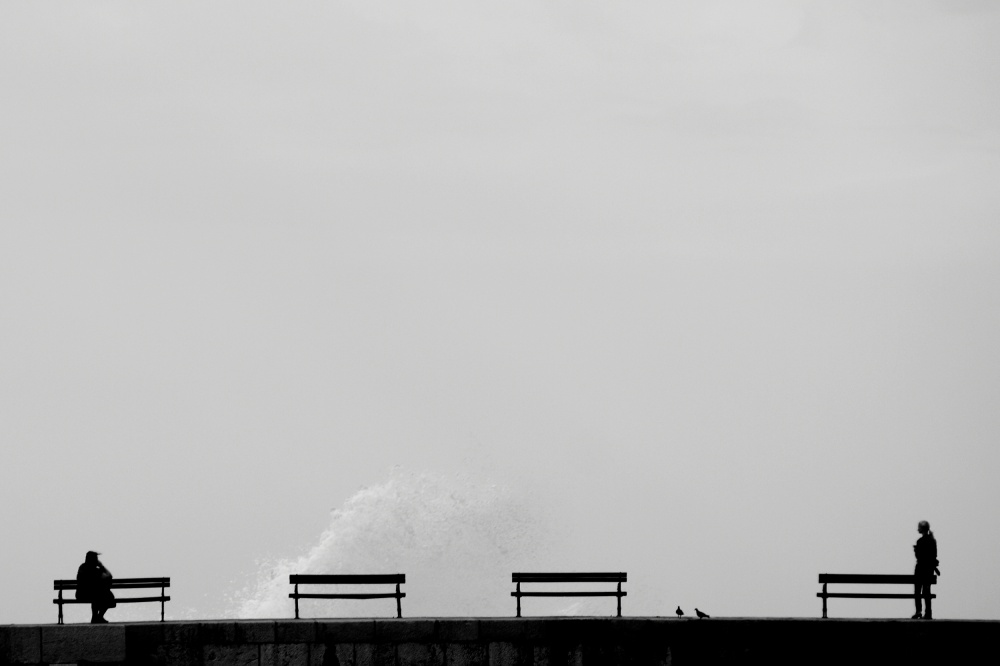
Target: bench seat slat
[137,586]
[584,577]
[569,594]
[119,600]
[157,580]
[121,583]
[356,595]
[346,579]
[871,579]
[867,595]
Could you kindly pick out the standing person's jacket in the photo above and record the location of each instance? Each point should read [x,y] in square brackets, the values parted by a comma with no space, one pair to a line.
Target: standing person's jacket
[926,551]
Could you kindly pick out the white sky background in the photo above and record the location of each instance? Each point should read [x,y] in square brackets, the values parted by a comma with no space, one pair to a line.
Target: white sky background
[717,281]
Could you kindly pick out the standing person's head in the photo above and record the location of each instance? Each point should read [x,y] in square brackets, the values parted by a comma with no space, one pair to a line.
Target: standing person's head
[91,557]
[924,527]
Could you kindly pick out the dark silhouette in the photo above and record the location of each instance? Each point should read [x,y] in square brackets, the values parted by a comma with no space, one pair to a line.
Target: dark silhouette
[679,612]
[94,585]
[348,579]
[925,550]
[827,579]
[700,614]
[73,585]
[618,577]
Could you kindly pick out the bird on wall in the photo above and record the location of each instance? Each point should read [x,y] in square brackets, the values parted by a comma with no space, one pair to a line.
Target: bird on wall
[700,614]
[679,612]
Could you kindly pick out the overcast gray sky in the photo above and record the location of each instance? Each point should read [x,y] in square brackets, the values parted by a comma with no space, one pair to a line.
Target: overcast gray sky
[714,285]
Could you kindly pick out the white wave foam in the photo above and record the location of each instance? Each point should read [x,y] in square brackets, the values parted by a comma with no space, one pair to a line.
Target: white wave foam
[456,539]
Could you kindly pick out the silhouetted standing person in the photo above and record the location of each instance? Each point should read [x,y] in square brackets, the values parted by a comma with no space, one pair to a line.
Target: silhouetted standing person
[93,584]
[925,550]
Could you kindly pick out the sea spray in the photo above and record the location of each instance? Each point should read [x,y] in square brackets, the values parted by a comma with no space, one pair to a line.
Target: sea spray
[457,538]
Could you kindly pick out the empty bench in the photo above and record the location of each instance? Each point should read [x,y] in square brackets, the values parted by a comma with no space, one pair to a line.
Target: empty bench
[588,577]
[347,579]
[117,584]
[867,579]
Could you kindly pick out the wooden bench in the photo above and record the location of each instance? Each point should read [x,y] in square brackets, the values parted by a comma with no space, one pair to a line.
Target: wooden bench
[591,577]
[348,579]
[867,579]
[117,584]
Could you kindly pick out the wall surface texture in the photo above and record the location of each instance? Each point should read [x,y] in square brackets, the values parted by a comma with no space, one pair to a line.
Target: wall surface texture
[505,642]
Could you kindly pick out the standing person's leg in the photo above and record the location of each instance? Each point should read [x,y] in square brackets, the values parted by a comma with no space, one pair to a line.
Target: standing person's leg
[928,615]
[916,596]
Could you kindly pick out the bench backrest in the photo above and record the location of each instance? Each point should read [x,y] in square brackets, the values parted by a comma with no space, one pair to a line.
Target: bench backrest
[117,583]
[872,579]
[345,579]
[584,577]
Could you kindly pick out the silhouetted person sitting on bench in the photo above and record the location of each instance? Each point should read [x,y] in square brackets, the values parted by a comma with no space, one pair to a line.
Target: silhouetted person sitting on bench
[93,584]
[925,550]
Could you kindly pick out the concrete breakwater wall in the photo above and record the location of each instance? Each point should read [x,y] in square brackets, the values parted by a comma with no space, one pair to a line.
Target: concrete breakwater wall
[504,642]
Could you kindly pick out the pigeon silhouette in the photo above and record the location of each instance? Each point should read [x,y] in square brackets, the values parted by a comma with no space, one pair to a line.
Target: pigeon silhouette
[679,612]
[700,614]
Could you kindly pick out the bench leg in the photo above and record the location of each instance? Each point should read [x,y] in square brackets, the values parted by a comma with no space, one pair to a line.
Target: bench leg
[399,602]
[824,600]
